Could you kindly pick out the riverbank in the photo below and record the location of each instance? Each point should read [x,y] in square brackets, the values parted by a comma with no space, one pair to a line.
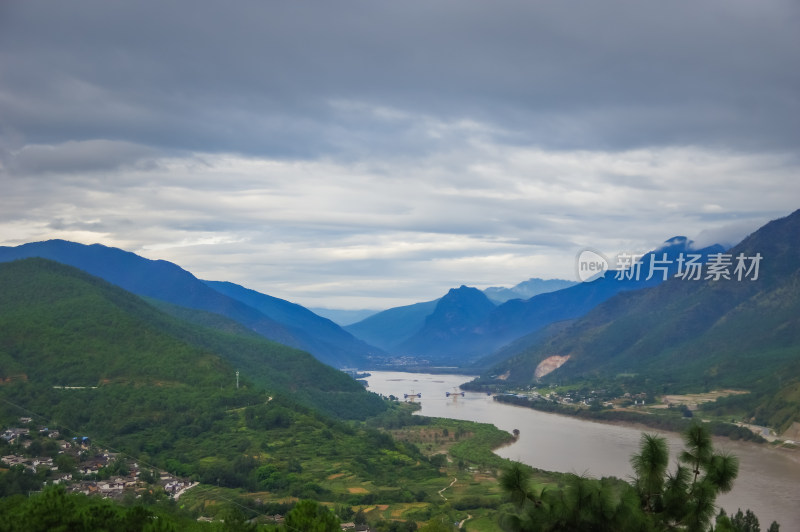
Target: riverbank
[660,422]
[464,451]
[768,477]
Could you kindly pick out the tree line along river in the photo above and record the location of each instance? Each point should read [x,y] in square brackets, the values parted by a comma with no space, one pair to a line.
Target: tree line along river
[768,481]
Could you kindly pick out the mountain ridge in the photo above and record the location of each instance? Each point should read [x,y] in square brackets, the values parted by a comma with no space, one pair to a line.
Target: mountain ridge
[526,289]
[169,282]
[456,313]
[390,328]
[317,334]
[62,326]
[691,334]
[508,322]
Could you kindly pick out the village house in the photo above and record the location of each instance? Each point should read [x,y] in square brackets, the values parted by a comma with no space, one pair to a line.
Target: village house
[65,478]
[32,464]
[14,460]
[14,434]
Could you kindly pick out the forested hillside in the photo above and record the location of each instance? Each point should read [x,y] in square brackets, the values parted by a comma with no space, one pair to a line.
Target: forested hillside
[280,321]
[62,327]
[91,359]
[734,330]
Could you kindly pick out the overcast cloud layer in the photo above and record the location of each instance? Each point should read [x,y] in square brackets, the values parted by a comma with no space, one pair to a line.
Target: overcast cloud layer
[362,154]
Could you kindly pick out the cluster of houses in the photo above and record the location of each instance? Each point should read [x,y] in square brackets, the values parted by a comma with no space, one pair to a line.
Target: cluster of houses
[118,486]
[90,463]
[31,463]
[12,435]
[588,398]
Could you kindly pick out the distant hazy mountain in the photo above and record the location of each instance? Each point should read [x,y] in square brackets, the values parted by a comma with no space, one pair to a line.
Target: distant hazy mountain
[317,334]
[526,289]
[168,282]
[390,328]
[516,318]
[455,317]
[706,333]
[343,317]
[469,327]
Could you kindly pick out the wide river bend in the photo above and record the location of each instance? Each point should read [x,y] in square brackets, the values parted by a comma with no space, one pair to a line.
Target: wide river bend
[768,482]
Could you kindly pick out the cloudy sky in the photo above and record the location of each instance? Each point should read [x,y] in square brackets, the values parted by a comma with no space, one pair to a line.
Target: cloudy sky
[363,154]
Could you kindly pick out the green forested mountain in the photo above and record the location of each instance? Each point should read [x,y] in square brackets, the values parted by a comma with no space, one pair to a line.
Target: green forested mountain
[276,319]
[318,334]
[698,334]
[464,327]
[444,338]
[62,327]
[89,358]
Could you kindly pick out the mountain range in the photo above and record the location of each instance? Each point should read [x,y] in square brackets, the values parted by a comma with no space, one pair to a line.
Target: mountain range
[318,335]
[464,326]
[60,326]
[497,294]
[461,328]
[740,329]
[272,318]
[218,404]
[390,328]
[686,333]
[526,289]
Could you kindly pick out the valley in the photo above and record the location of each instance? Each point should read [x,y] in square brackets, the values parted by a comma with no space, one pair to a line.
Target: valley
[216,404]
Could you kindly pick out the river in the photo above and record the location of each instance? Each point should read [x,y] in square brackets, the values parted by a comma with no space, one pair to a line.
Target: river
[768,482]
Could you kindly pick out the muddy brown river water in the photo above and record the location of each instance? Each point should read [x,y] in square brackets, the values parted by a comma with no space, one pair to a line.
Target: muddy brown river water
[768,482]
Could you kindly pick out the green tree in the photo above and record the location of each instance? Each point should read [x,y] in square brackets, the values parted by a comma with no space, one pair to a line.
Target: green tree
[688,495]
[233,520]
[656,500]
[699,448]
[50,511]
[650,466]
[741,522]
[582,504]
[65,463]
[745,522]
[309,516]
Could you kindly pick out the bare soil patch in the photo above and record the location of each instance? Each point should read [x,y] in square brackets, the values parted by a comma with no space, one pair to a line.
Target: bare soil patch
[698,398]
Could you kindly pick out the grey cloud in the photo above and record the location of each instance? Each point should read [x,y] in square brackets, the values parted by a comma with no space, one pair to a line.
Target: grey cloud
[733,232]
[263,77]
[77,157]
[632,181]
[107,222]
[93,227]
[318,148]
